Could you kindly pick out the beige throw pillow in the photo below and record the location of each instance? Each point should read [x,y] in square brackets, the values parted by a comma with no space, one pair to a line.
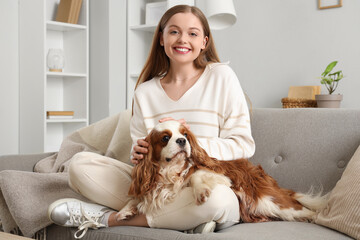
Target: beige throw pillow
[343,209]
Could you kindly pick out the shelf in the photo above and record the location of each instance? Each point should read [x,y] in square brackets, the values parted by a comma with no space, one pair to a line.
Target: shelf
[74,46]
[65,75]
[63,27]
[134,75]
[144,27]
[42,90]
[74,120]
[139,39]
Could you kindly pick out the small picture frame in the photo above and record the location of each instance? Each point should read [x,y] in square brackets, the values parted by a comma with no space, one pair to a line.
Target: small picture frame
[326,4]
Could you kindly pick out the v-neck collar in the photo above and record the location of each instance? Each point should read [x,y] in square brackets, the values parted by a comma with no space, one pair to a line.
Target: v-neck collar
[187,91]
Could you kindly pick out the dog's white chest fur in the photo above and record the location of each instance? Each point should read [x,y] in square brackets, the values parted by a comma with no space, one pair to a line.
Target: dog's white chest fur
[166,190]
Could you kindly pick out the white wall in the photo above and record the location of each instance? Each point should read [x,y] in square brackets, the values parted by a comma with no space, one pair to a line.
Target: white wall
[9,78]
[273,45]
[99,59]
[281,43]
[107,58]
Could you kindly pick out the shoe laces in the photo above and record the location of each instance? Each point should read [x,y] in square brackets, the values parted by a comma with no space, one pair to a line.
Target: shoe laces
[85,222]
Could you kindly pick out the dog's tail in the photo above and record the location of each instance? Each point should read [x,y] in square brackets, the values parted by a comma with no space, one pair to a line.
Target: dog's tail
[313,201]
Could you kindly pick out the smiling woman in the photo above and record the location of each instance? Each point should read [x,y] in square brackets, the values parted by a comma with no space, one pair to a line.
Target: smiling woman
[158,62]
[183,39]
[182,80]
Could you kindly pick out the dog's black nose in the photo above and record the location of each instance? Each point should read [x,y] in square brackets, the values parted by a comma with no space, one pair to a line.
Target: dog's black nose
[181,141]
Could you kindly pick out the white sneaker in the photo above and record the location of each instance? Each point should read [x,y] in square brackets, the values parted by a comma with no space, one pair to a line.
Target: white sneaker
[203,228]
[70,212]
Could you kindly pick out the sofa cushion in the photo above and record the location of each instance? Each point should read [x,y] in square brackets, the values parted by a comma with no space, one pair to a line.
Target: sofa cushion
[343,209]
[280,231]
[305,147]
[244,231]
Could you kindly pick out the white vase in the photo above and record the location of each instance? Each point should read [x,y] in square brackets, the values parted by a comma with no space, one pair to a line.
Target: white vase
[55,60]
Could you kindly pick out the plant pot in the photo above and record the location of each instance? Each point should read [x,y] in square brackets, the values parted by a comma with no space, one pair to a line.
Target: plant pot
[328,100]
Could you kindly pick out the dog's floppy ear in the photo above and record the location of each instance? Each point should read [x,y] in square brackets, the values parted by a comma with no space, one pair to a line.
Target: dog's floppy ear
[145,173]
[198,154]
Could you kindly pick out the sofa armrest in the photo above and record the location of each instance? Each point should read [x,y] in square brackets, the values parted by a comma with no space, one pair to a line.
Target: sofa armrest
[21,162]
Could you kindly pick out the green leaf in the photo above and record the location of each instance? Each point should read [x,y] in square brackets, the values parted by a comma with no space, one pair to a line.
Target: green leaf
[335,73]
[328,80]
[339,76]
[329,68]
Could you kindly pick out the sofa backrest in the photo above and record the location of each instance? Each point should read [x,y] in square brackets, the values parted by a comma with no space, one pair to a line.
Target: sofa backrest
[305,147]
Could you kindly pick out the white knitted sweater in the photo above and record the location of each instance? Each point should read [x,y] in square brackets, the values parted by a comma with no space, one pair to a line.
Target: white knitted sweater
[214,107]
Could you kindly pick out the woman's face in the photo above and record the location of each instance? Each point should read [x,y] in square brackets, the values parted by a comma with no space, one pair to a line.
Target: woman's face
[183,38]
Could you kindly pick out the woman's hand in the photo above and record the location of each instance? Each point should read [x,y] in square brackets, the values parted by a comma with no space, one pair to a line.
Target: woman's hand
[139,150]
[182,121]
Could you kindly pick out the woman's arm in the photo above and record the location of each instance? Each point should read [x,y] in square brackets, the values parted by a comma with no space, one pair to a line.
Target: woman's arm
[138,133]
[235,139]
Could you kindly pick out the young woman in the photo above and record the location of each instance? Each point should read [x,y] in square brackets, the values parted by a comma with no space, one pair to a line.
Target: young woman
[182,79]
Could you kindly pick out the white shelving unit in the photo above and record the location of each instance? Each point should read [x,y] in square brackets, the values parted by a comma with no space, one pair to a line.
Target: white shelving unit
[140,37]
[41,90]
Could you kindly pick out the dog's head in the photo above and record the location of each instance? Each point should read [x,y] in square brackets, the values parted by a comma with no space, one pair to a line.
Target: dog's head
[171,146]
[169,142]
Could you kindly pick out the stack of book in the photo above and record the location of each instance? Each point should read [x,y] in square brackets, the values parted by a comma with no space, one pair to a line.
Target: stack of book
[60,114]
[69,11]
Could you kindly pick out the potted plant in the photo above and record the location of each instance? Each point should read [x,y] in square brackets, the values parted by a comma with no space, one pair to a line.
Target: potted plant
[331,81]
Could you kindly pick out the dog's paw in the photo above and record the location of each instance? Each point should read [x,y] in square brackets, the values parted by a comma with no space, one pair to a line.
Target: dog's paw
[202,195]
[125,214]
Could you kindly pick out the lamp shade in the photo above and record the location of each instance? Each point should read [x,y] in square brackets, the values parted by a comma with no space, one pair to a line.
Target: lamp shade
[220,14]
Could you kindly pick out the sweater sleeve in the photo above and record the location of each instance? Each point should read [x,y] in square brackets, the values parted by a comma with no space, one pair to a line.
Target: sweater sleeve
[235,139]
[137,124]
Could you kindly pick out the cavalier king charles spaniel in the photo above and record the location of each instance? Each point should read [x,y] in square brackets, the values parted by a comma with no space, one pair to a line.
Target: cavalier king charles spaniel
[175,160]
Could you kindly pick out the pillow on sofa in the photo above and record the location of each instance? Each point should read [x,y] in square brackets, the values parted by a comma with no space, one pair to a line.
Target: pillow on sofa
[342,212]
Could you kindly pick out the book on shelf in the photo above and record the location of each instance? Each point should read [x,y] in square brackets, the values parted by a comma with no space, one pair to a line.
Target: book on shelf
[69,11]
[60,114]
[60,117]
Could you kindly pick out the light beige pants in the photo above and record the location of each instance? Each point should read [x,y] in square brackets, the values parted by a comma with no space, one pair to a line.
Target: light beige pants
[106,181]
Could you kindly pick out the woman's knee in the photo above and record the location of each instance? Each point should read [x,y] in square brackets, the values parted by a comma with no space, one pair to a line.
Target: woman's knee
[223,204]
[79,168]
[78,163]
[222,197]
[101,179]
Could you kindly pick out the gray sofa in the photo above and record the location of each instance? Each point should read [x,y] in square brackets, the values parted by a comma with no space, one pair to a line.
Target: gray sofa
[300,148]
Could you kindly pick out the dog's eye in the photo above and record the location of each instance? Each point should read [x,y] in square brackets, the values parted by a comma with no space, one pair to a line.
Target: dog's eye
[185,135]
[168,159]
[165,138]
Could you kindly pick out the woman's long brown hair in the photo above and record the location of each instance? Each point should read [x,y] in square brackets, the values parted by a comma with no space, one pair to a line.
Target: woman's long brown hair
[158,63]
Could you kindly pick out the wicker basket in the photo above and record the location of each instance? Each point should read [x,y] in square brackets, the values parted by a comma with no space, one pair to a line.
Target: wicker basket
[298,103]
